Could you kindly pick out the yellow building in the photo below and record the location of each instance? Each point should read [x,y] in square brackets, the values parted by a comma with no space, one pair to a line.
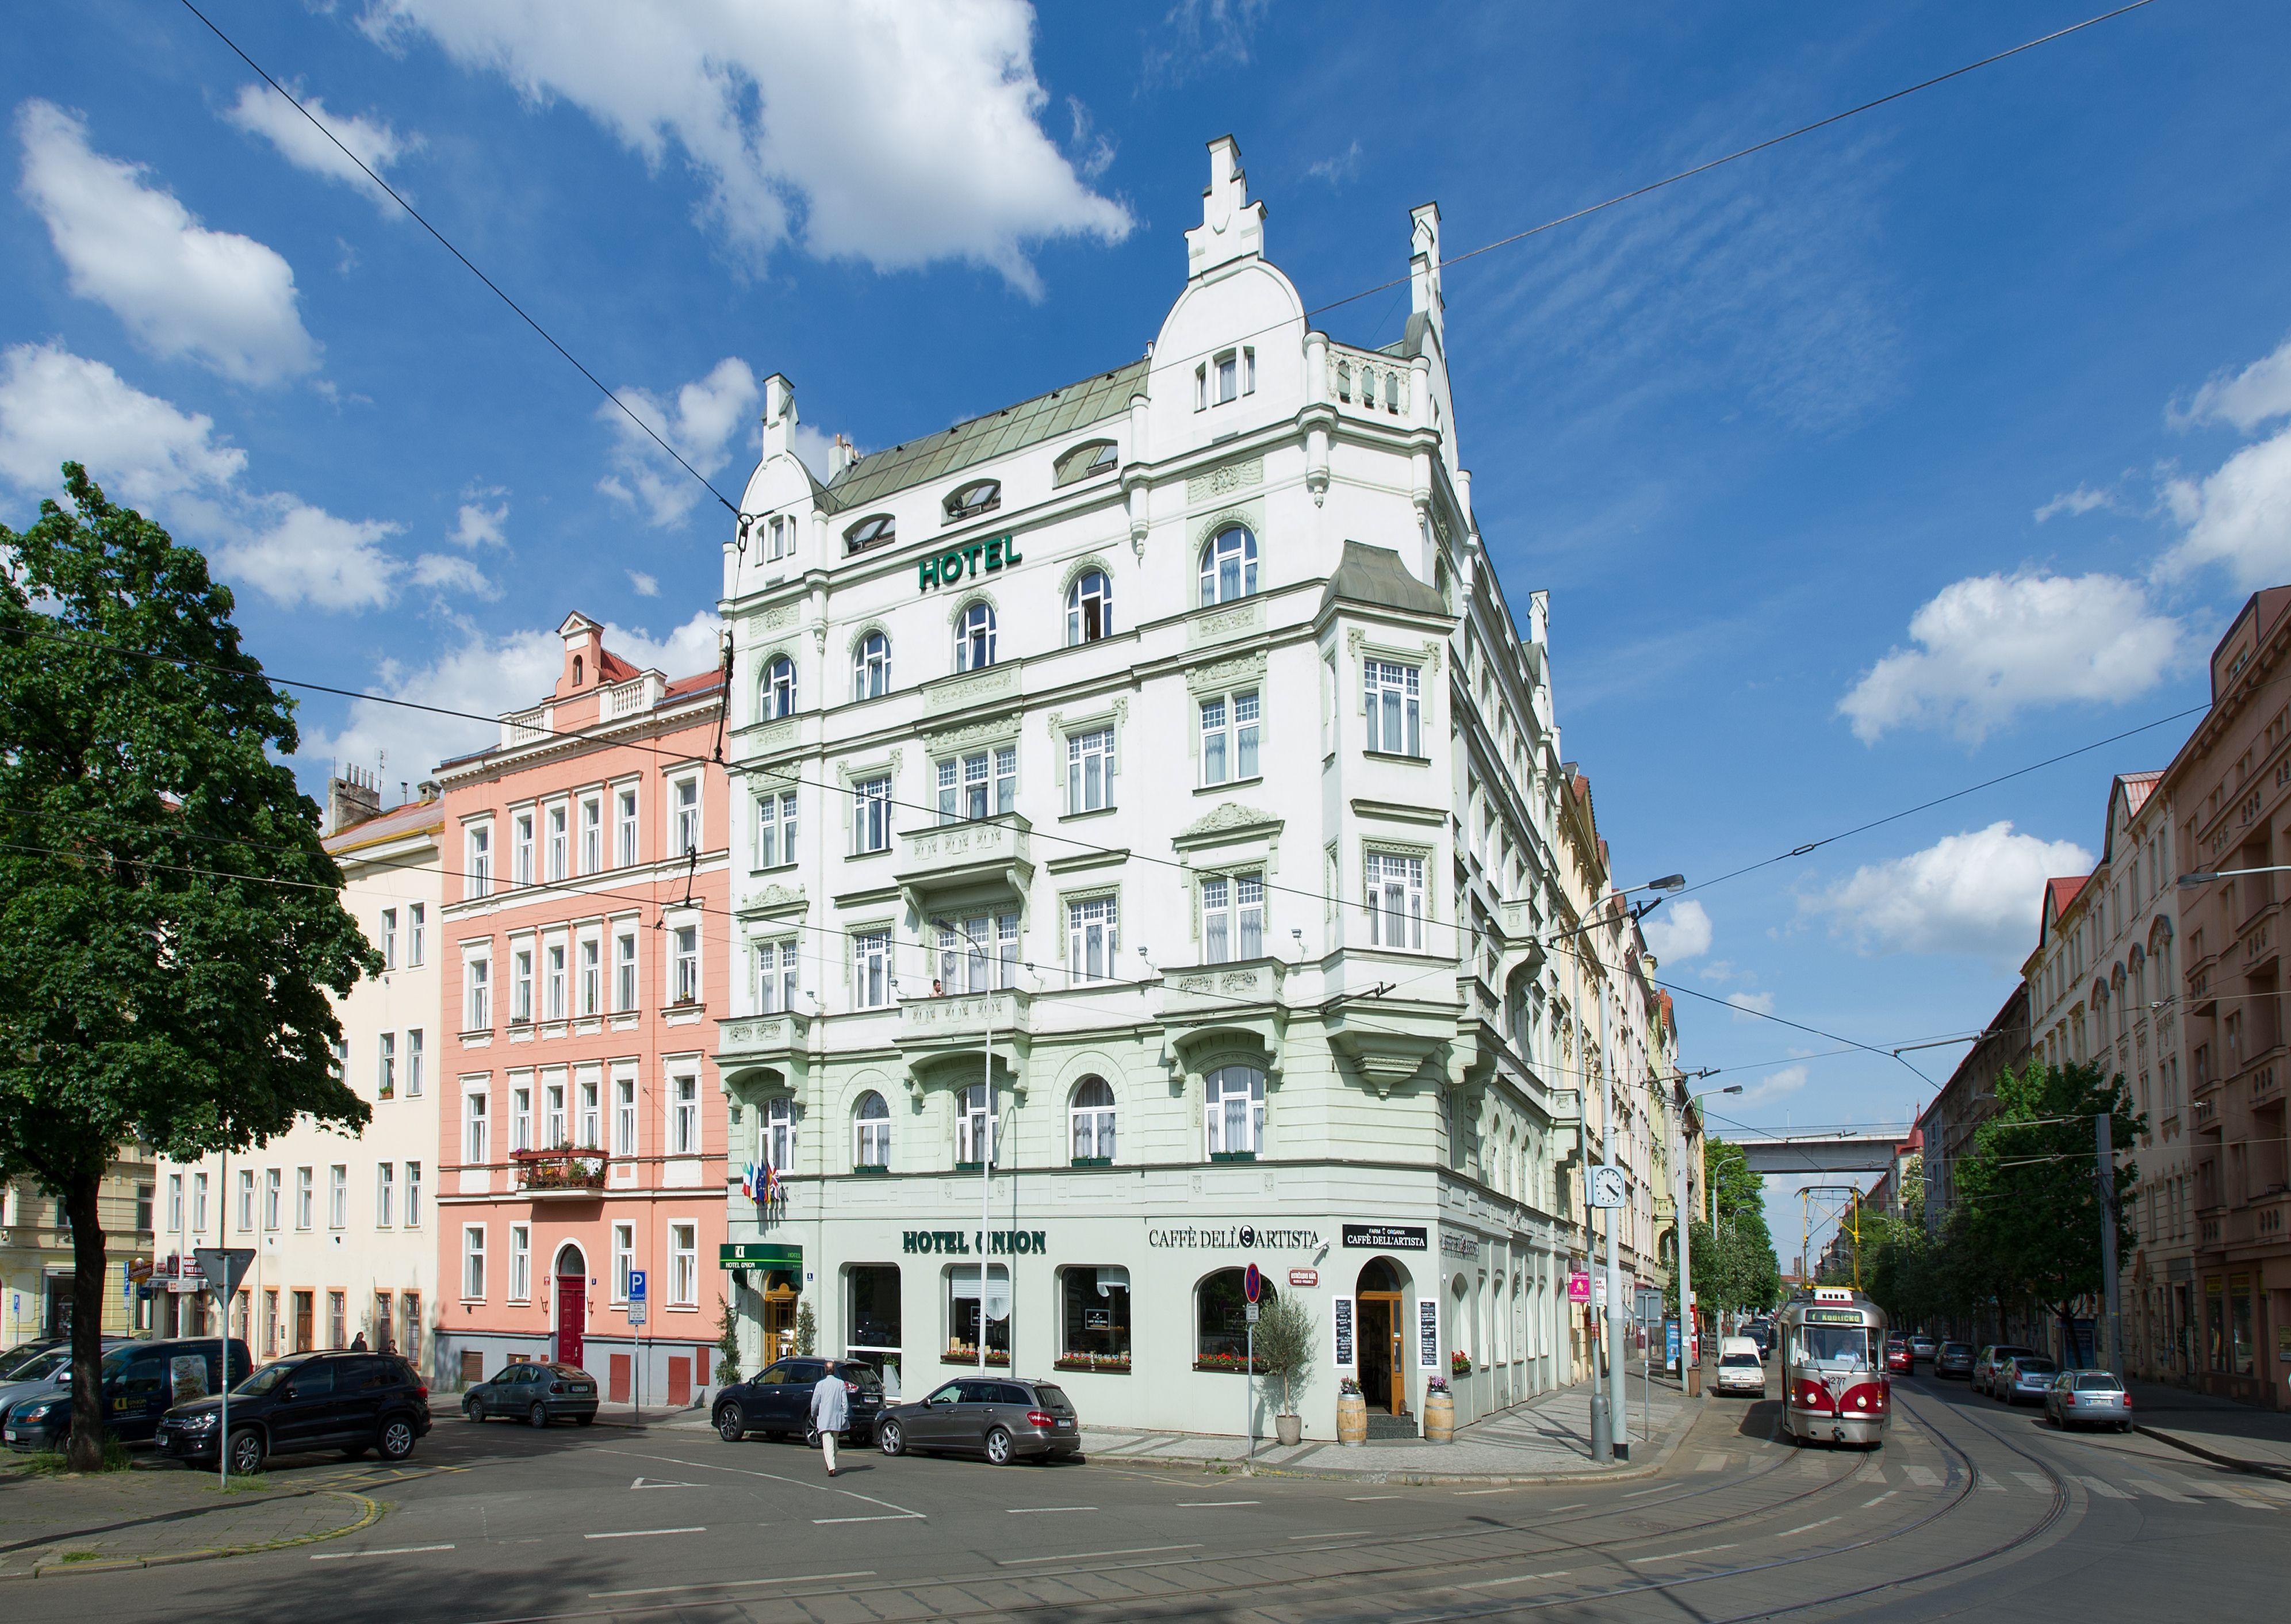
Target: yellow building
[35,1255]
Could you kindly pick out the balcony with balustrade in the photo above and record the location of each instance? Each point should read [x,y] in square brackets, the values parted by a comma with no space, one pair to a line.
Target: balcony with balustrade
[567,1173]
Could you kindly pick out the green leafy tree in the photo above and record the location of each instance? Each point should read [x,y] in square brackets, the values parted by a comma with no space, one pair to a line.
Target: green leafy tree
[727,1344]
[170,924]
[2027,1230]
[1284,1346]
[1732,1260]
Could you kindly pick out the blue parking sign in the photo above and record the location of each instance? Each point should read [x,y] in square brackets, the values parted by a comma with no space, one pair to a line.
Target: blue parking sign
[636,1285]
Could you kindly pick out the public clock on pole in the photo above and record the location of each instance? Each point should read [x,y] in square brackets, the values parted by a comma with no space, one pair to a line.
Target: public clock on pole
[1606,1186]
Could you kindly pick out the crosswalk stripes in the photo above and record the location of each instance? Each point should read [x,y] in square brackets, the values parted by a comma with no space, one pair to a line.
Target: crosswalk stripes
[1711,1461]
[1810,1466]
[1923,1476]
[1870,1472]
[2149,1486]
[2102,1487]
[1982,1480]
[2035,1480]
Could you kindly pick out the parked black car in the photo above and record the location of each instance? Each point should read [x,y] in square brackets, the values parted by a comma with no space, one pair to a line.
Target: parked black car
[1955,1359]
[305,1402]
[999,1418]
[779,1402]
[141,1382]
[534,1394]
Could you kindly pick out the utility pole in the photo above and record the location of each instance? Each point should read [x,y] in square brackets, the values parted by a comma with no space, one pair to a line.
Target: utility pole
[2103,1130]
[1857,1240]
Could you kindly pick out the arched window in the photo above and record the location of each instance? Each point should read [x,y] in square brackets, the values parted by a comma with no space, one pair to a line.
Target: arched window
[979,496]
[779,1133]
[1236,1111]
[1089,609]
[974,638]
[576,671]
[876,530]
[1222,1323]
[871,667]
[779,688]
[1085,461]
[1229,566]
[971,1134]
[1092,1115]
[871,1132]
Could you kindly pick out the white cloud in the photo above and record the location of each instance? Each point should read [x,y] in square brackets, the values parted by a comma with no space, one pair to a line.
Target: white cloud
[1992,646]
[478,526]
[445,572]
[1752,1004]
[1338,170]
[887,131]
[1679,932]
[55,406]
[701,422]
[309,556]
[644,585]
[483,675]
[262,112]
[1979,893]
[1094,152]
[1781,1085]
[2239,516]
[2075,503]
[2249,398]
[224,301]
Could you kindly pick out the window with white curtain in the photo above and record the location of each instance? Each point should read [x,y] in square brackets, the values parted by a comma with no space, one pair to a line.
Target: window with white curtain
[683,1266]
[871,969]
[684,1115]
[974,638]
[1089,770]
[1090,1117]
[972,1132]
[779,1133]
[520,1262]
[1232,918]
[625,1258]
[1093,939]
[779,688]
[624,826]
[1229,733]
[871,1132]
[1395,901]
[871,667]
[776,984]
[870,816]
[978,954]
[592,835]
[687,966]
[1395,700]
[1090,607]
[774,828]
[1235,1110]
[1229,566]
[625,1116]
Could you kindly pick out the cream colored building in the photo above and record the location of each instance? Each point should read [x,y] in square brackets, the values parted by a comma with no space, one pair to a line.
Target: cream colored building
[37,1265]
[341,1224]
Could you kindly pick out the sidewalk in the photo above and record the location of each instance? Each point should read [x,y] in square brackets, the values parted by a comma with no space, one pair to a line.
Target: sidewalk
[1548,1436]
[2216,1430]
[149,1516]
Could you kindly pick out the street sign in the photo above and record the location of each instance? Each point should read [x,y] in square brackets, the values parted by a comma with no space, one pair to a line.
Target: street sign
[223,1267]
[636,1310]
[1252,1283]
[1312,1277]
[1250,1311]
[1607,1186]
[636,1286]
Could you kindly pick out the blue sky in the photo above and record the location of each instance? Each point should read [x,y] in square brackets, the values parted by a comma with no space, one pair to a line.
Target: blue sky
[1920,449]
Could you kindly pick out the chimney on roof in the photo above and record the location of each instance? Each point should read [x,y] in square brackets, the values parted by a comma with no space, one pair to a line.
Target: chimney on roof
[353,795]
[841,456]
[779,416]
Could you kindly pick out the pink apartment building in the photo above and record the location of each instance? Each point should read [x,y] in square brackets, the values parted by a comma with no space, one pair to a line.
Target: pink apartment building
[582,1129]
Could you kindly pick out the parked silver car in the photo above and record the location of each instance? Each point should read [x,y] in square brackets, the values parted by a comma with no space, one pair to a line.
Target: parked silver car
[2026,1378]
[1955,1359]
[2088,1398]
[1988,1369]
[998,1417]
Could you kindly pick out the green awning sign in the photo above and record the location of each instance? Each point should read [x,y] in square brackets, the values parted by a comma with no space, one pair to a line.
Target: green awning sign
[758,1255]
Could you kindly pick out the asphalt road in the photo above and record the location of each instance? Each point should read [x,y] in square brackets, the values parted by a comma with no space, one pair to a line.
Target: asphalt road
[1970,1508]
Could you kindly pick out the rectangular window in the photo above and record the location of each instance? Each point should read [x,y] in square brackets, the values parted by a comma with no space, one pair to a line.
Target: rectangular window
[555,959]
[474,1128]
[1092,939]
[479,996]
[624,970]
[175,1203]
[338,1197]
[385,1194]
[592,975]
[775,977]
[520,1262]
[683,1266]
[774,829]
[520,849]
[409,1313]
[1089,770]
[417,921]
[871,969]
[624,826]
[385,1079]
[520,986]
[413,1195]
[625,1116]
[592,835]
[982,785]
[1229,727]
[520,1119]
[979,956]
[592,1127]
[686,978]
[480,862]
[272,1180]
[1229,377]
[473,1262]
[414,1062]
[305,1197]
[687,816]
[557,842]
[1232,918]
[684,1116]
[1097,1305]
[199,1204]
[870,816]
[553,1116]
[1394,707]
[246,1203]
[337,1320]
[389,938]
[1395,901]
[624,1255]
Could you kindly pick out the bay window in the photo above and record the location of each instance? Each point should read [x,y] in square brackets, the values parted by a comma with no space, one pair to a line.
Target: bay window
[1394,707]
[1232,918]
[1395,901]
[1093,939]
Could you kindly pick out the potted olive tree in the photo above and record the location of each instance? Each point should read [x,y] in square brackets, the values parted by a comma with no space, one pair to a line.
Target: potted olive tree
[1284,1348]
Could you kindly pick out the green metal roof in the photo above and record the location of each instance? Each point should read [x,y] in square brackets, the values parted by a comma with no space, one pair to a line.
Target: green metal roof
[1375,574]
[935,457]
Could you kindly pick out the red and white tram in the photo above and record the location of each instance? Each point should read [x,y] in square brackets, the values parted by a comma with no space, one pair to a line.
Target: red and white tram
[1833,1382]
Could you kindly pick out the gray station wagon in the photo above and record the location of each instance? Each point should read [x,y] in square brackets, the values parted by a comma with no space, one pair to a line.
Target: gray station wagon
[995,1417]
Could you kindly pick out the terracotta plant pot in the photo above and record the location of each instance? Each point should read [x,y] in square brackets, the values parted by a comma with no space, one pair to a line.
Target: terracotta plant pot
[1352,1418]
[1291,1429]
[1440,1417]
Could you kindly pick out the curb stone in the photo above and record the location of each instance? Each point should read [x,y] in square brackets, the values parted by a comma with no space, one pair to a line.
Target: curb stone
[372,1514]
[2254,1469]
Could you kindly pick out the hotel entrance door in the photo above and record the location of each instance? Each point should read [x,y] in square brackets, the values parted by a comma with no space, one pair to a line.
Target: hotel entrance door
[779,1315]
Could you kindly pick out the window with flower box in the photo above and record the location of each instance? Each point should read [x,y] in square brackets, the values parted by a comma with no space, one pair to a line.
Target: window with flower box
[1095,1318]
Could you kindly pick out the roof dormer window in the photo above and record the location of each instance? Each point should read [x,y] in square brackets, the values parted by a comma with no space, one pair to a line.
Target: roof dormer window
[979,496]
[876,530]
[1087,462]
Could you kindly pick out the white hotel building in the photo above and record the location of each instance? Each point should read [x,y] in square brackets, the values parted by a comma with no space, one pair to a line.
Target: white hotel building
[1172,730]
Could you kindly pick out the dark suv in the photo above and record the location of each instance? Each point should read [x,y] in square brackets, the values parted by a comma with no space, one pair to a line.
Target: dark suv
[307,1401]
[142,1381]
[779,1402]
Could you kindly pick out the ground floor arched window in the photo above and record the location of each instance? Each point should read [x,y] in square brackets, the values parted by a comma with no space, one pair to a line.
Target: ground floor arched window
[1221,1322]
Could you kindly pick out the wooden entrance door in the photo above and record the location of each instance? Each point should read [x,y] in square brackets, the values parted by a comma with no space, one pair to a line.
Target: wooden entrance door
[779,1318]
[572,1317]
[1382,1382]
[305,1312]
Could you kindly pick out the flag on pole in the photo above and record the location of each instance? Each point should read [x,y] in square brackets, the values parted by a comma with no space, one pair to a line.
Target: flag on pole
[771,1191]
[748,1181]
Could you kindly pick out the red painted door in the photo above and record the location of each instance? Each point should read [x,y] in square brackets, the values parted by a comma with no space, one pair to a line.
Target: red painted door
[679,1381]
[617,1382]
[572,1316]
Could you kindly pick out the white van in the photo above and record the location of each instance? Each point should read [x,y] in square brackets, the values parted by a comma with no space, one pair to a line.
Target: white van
[1740,1369]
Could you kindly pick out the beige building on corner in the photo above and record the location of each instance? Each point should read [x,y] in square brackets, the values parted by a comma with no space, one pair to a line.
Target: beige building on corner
[342,1226]
[37,1267]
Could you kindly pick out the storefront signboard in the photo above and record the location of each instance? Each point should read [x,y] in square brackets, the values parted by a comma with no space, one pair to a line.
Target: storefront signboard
[1303,1278]
[1427,1333]
[1389,1237]
[966,1242]
[758,1255]
[1340,1336]
[1173,1236]
[1579,1287]
[1454,1245]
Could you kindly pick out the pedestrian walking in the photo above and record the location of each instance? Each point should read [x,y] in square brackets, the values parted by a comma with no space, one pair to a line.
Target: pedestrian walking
[829,1410]
[360,1346]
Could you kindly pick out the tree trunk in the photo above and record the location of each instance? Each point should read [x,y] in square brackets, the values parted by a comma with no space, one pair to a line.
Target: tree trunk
[86,1447]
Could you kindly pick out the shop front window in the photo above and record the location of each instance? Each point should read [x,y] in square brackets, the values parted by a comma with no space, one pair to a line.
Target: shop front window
[1221,1338]
[963,1315]
[2238,1307]
[874,1321]
[1096,1305]
[2215,1322]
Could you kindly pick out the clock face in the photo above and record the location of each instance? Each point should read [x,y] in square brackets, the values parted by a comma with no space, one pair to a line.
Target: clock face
[1607,1186]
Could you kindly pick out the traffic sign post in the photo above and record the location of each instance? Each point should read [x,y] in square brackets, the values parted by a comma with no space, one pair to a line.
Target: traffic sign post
[223,1267]
[1252,1286]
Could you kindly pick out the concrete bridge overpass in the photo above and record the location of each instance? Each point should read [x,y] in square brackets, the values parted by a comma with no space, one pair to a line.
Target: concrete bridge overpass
[1792,1154]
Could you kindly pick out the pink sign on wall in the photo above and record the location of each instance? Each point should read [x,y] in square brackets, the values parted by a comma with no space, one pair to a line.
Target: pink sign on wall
[1579,1287]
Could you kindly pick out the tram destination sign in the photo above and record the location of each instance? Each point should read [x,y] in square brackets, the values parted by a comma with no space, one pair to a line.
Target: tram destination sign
[1833,1316]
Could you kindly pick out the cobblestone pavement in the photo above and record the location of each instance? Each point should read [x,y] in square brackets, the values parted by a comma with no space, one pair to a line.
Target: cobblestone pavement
[153,1514]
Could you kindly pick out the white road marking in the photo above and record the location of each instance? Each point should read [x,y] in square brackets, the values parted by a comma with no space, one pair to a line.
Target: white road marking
[644,1534]
[709,1466]
[732,1584]
[1516,1578]
[395,1550]
[655,1483]
[1028,1511]
[1982,1480]
[881,1516]
[2107,1491]
[1805,1528]
[1134,1550]
[1577,1506]
[1203,1505]
[2036,1480]
[1711,1462]
[1337,1533]
[1658,1489]
[1923,1476]
[1887,1495]
[1511,1489]
[1699,1550]
[1373,1497]
[2150,1485]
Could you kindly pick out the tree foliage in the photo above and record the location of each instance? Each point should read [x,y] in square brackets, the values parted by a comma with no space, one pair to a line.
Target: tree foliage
[1285,1346]
[1732,1261]
[170,924]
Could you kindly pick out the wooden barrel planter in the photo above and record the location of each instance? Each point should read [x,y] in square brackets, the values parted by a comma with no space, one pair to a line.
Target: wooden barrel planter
[1352,1418]
[1439,1418]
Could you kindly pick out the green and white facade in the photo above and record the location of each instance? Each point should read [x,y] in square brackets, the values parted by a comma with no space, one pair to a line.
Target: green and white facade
[1198,762]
